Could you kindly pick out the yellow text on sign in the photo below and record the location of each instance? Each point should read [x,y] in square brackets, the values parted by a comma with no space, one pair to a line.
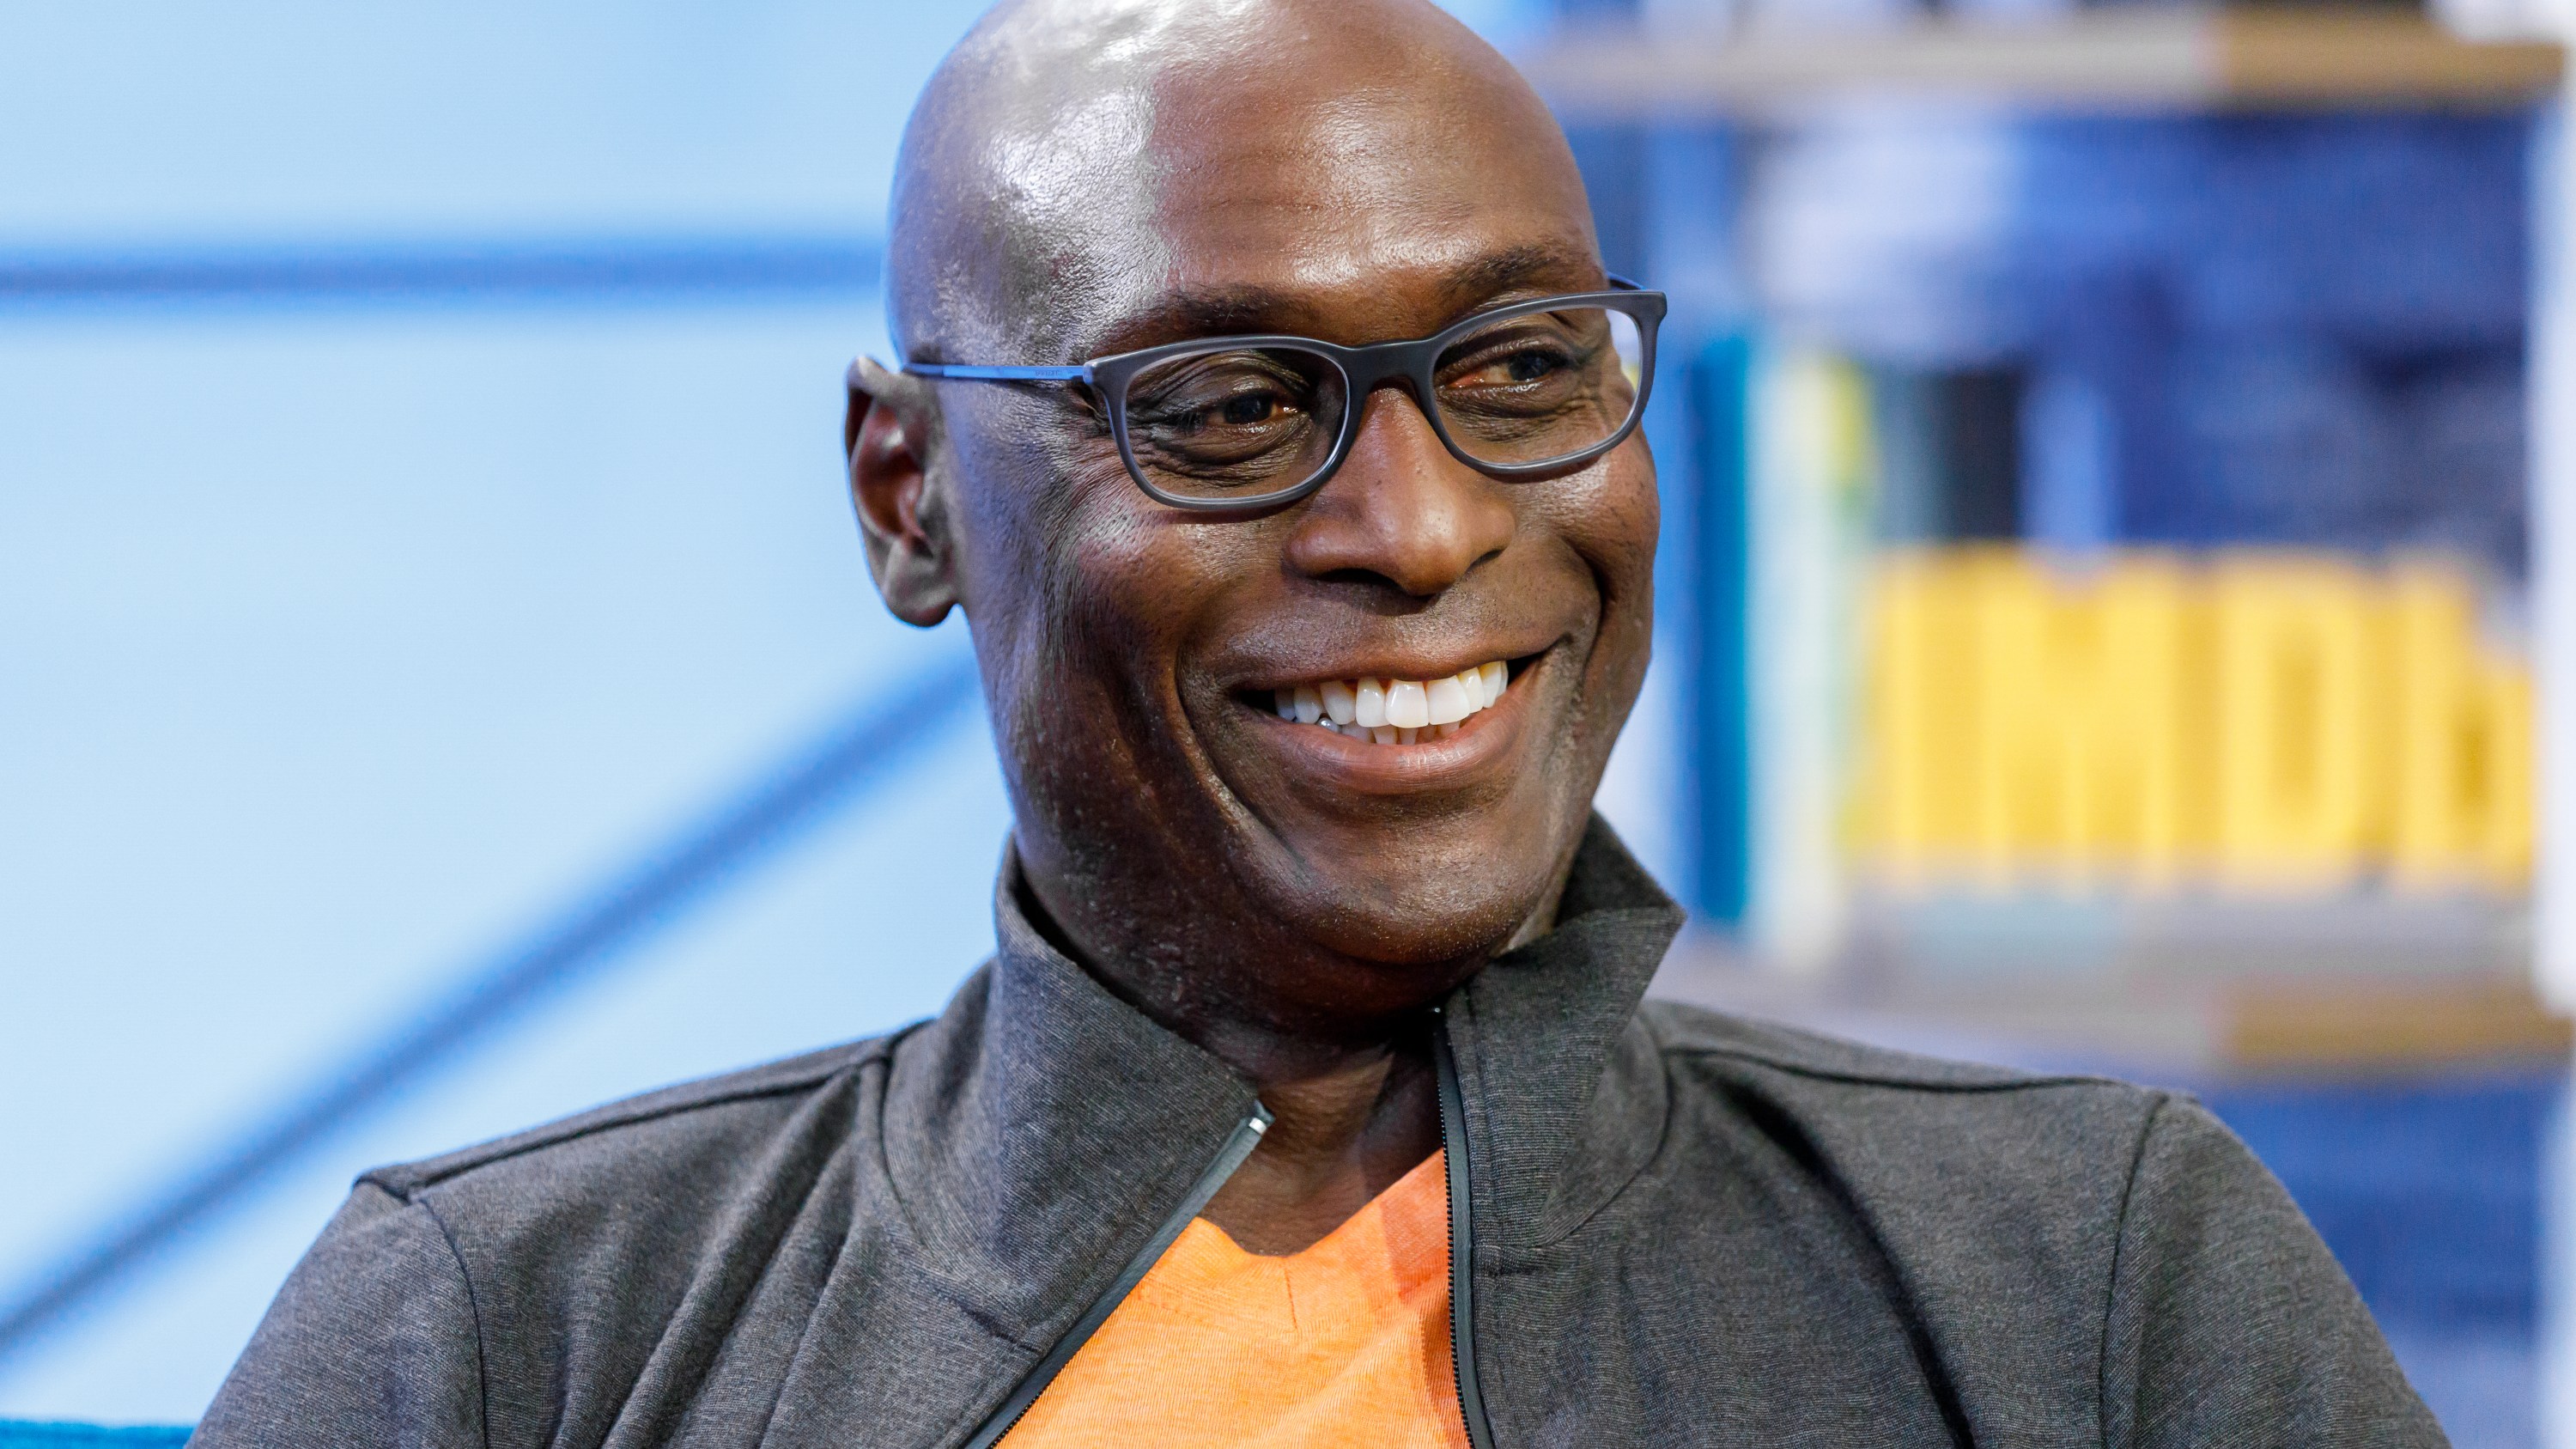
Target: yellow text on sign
[2275,722]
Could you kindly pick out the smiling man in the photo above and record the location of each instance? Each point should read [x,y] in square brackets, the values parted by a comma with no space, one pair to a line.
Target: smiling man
[1265,409]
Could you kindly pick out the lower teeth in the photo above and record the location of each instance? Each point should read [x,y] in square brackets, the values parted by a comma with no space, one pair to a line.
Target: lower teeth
[1389,735]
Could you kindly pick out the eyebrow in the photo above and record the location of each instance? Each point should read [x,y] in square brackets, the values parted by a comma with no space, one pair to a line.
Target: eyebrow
[1514,268]
[1217,311]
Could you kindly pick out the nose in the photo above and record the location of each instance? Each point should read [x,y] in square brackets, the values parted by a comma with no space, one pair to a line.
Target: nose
[1401,511]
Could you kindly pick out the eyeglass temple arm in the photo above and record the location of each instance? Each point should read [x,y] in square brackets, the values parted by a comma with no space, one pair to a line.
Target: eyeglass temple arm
[997,374]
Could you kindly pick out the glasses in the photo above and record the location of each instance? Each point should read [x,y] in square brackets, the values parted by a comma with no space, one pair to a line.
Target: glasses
[1528,390]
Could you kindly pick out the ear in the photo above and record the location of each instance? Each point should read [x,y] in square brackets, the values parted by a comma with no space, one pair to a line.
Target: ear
[888,437]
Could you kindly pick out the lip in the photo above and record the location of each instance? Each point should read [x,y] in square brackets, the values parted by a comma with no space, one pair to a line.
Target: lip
[1484,743]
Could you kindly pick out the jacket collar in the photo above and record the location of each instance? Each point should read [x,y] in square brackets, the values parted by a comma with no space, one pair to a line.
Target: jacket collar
[1040,1129]
[1564,1095]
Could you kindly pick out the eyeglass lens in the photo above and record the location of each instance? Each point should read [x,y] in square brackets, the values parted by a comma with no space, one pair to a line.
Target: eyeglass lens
[1249,422]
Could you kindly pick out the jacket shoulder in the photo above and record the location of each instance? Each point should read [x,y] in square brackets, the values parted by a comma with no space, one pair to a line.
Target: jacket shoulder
[1904,1123]
[719,1108]
[1684,1031]
[1950,1155]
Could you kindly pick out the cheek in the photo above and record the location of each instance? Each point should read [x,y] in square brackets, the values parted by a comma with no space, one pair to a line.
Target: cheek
[1112,610]
[1610,520]
[1029,480]
[1083,588]
[1620,517]
[1609,515]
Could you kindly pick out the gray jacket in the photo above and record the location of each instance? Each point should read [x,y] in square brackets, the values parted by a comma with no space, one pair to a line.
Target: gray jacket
[1671,1227]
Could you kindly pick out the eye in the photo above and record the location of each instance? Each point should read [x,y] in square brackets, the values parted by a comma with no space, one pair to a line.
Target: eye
[1531,364]
[1524,366]
[1237,409]
[1251,409]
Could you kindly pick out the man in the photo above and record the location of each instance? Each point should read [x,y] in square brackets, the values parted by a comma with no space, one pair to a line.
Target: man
[1264,407]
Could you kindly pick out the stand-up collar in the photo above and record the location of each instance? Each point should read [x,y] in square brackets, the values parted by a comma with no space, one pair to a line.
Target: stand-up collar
[1039,1130]
[1564,1097]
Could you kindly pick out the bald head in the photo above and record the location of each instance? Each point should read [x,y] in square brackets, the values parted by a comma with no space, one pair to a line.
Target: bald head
[1069,153]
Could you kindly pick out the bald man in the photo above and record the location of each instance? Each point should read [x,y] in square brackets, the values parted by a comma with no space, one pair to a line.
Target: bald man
[1263,405]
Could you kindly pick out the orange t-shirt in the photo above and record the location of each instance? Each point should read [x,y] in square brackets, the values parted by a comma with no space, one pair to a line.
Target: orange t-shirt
[1344,1343]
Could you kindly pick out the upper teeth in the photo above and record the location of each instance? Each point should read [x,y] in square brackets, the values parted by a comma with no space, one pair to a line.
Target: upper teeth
[1395,711]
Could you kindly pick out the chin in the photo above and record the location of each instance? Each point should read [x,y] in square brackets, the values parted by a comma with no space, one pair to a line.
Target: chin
[1393,903]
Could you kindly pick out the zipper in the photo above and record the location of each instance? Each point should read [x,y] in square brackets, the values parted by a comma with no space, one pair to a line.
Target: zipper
[1238,1146]
[1462,1241]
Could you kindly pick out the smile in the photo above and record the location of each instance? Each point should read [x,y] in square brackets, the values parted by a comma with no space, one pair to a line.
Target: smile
[1396,711]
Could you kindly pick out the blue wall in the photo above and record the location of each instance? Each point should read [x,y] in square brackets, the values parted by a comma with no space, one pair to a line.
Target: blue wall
[343,639]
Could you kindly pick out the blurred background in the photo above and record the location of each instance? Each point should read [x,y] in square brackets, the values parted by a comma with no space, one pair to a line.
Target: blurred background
[2113,562]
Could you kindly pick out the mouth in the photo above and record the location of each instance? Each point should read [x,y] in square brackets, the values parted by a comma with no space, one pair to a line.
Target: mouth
[1396,712]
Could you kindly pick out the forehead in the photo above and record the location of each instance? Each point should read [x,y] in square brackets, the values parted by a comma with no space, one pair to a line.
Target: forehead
[1323,199]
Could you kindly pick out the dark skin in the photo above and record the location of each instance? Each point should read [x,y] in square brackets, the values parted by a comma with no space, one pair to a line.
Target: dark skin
[1291,901]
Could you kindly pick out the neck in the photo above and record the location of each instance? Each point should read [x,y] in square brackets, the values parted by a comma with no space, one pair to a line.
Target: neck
[1340,1135]
[1355,1105]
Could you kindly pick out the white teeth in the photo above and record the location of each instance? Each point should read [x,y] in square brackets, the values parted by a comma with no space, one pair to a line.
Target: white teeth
[1341,701]
[1368,703]
[1408,705]
[1395,711]
[1447,699]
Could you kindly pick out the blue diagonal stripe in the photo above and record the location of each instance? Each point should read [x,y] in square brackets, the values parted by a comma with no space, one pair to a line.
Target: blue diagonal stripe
[855,756]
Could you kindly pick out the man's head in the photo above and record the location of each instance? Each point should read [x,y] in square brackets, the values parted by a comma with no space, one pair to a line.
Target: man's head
[1088,177]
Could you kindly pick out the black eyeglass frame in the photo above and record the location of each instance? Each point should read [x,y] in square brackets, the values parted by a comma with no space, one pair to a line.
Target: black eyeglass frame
[1415,364]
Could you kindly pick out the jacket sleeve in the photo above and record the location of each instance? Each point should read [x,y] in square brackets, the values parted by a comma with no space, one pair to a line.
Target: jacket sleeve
[2230,1322]
[372,1341]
